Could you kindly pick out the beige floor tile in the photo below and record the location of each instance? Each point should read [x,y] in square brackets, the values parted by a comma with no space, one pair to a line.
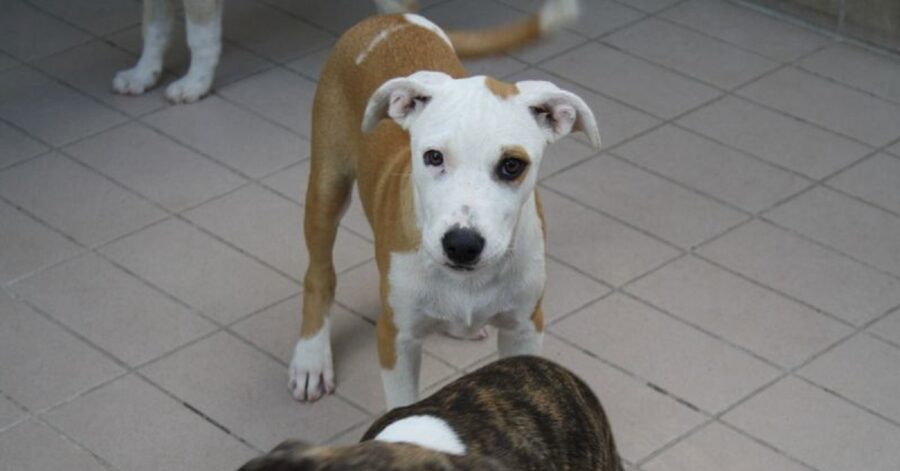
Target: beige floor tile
[712,168]
[10,413]
[352,436]
[603,16]
[888,328]
[7,62]
[76,200]
[355,355]
[806,271]
[801,420]
[598,245]
[651,5]
[112,309]
[563,154]
[567,290]
[265,94]
[747,28]
[39,358]
[310,65]
[335,16]
[16,146]
[231,135]
[876,385]
[878,74]
[132,425]
[548,47]
[716,447]
[199,270]
[766,323]
[494,66]
[155,166]
[665,209]
[50,111]
[691,53]
[855,228]
[246,392]
[34,446]
[27,33]
[689,364]
[238,217]
[471,14]
[775,137]
[616,121]
[234,62]
[642,419]
[827,104]
[97,16]
[28,245]
[876,180]
[641,84]
[895,149]
[90,69]
[271,33]
[357,289]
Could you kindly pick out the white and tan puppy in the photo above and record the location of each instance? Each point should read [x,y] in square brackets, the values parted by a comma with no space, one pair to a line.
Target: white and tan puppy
[204,37]
[446,167]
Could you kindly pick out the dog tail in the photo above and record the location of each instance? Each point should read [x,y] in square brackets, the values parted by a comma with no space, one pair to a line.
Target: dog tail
[554,16]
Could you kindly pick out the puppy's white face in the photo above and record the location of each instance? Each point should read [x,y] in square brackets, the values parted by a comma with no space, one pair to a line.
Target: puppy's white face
[476,147]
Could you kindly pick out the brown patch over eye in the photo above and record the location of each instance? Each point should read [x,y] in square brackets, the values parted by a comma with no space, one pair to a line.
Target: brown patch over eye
[513,164]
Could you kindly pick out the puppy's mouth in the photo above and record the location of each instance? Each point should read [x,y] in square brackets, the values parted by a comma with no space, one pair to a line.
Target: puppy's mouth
[460,268]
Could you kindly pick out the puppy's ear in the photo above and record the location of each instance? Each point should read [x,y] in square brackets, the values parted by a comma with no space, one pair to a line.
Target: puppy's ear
[402,99]
[557,111]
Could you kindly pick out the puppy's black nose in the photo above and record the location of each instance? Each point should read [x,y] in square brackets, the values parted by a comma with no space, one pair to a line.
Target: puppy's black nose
[462,246]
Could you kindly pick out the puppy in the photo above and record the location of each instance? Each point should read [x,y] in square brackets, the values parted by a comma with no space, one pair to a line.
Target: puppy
[446,167]
[204,37]
[520,413]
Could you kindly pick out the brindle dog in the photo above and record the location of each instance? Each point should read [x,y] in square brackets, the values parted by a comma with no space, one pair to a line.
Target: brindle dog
[520,413]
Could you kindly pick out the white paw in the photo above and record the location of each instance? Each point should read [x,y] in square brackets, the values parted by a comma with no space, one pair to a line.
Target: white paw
[136,80]
[311,373]
[188,89]
[466,334]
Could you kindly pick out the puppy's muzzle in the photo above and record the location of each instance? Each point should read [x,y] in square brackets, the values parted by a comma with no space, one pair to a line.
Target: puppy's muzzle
[462,247]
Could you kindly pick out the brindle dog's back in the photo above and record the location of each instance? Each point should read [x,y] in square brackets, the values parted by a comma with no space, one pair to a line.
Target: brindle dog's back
[527,412]
[521,413]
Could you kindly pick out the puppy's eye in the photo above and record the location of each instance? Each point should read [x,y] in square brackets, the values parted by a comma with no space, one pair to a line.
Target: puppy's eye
[433,158]
[510,168]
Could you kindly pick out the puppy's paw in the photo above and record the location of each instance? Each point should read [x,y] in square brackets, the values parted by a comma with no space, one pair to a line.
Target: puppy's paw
[135,81]
[188,89]
[465,334]
[311,374]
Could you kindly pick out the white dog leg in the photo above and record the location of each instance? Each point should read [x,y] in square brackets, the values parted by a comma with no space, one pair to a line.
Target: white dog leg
[396,6]
[523,340]
[311,371]
[204,37]
[159,15]
[401,384]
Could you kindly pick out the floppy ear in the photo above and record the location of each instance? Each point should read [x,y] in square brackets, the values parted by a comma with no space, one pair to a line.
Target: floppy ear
[557,111]
[402,98]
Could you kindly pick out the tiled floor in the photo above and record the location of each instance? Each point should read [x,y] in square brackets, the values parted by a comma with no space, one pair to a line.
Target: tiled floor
[725,273]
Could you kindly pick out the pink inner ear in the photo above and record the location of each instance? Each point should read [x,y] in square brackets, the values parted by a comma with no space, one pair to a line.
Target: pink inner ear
[401,104]
[563,119]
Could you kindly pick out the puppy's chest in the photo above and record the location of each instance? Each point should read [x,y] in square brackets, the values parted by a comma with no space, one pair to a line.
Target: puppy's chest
[420,287]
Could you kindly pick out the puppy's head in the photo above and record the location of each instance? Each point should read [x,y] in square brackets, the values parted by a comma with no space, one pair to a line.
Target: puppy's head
[476,146]
[365,456]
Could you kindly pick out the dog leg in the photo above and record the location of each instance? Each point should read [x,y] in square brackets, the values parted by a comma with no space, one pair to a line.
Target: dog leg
[522,338]
[400,355]
[311,372]
[204,37]
[159,15]
[396,6]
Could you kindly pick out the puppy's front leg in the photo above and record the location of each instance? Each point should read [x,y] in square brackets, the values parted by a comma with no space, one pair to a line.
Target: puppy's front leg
[204,36]
[159,15]
[400,356]
[523,336]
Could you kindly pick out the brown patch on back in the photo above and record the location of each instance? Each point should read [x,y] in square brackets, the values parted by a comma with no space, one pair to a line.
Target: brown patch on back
[502,90]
